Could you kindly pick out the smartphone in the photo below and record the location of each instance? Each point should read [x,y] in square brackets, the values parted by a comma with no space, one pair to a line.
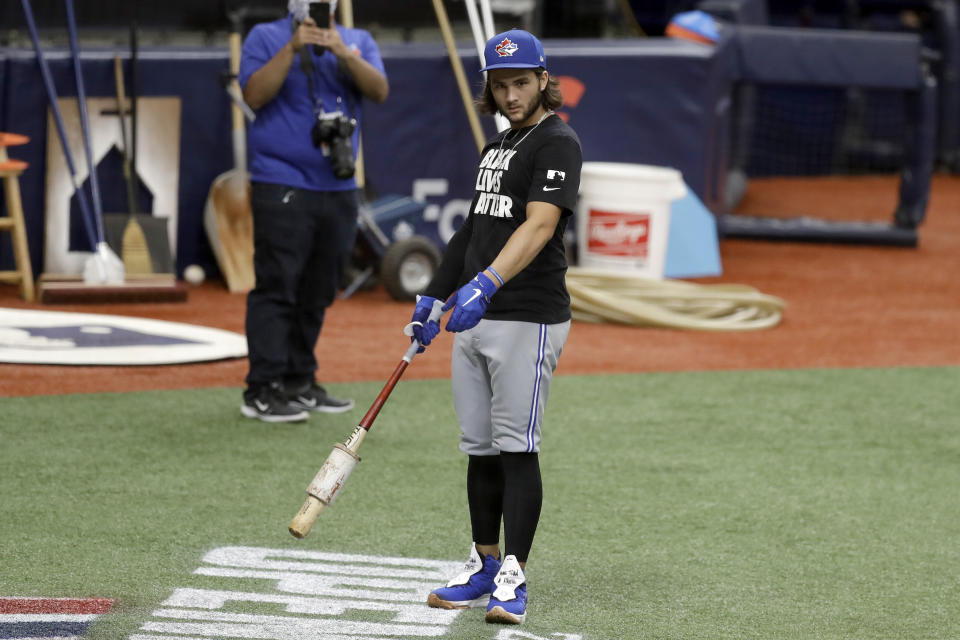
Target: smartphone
[320,12]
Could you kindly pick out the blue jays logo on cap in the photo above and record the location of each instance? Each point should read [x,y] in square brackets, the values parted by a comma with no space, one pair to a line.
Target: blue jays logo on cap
[506,48]
[514,49]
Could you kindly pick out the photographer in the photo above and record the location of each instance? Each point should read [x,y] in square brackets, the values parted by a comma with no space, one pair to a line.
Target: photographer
[305,76]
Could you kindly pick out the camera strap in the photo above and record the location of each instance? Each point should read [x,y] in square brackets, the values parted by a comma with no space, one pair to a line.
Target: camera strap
[309,69]
[307,66]
[306,63]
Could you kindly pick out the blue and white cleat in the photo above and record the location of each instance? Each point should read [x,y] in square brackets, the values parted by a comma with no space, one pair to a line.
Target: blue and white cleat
[471,588]
[508,604]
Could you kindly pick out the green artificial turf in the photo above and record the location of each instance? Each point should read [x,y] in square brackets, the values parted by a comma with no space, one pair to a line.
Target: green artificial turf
[800,504]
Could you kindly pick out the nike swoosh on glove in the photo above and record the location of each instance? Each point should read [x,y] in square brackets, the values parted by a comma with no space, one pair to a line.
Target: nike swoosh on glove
[427,330]
[469,303]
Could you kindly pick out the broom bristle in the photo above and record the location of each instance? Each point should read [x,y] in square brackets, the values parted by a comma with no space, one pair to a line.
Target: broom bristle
[136,255]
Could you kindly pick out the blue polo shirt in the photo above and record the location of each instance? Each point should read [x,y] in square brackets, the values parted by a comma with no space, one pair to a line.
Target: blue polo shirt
[279,143]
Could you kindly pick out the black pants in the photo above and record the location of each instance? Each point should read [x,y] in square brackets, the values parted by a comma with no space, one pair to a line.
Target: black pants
[302,241]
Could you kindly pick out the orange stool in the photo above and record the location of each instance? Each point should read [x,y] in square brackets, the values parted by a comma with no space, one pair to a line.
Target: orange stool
[10,171]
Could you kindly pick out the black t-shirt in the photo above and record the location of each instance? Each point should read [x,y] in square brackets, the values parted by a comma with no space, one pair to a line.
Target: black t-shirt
[540,163]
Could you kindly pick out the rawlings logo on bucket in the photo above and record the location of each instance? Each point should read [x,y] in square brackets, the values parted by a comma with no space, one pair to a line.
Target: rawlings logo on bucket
[624,235]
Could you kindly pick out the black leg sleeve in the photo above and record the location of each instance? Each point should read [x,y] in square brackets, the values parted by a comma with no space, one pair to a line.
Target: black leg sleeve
[522,499]
[485,496]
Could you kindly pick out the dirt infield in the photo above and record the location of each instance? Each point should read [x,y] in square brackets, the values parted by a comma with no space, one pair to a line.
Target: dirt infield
[848,306]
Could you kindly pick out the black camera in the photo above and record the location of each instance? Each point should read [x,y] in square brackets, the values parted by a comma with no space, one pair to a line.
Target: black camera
[331,132]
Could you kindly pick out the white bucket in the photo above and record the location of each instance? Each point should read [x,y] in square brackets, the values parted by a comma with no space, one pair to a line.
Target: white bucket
[623,218]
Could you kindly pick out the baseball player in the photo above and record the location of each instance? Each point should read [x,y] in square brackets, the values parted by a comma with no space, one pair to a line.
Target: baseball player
[503,277]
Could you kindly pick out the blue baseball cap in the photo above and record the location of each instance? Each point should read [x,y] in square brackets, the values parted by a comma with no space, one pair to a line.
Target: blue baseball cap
[514,49]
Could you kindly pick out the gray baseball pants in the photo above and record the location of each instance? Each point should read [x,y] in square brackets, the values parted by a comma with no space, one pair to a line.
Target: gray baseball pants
[501,372]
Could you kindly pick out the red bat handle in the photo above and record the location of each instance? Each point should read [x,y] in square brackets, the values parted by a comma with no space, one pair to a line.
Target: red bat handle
[374,409]
[435,314]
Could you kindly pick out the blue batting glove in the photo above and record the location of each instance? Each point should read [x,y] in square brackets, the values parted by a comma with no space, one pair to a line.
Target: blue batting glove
[426,330]
[469,303]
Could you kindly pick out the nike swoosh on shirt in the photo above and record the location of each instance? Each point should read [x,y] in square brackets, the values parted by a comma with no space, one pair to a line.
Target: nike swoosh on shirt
[476,294]
[550,188]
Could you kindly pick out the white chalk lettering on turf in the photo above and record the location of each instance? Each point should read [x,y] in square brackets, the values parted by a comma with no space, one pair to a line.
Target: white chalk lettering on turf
[207,599]
[513,634]
[148,636]
[333,585]
[316,595]
[324,562]
[243,625]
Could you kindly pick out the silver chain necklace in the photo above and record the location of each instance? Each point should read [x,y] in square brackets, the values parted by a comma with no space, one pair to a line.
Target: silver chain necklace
[517,143]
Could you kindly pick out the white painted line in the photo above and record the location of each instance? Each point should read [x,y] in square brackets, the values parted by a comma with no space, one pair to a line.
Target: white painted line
[405,613]
[321,585]
[314,594]
[143,636]
[244,625]
[140,636]
[323,562]
[347,569]
[10,618]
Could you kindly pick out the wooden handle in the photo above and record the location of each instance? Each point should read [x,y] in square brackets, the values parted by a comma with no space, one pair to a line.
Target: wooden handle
[236,47]
[346,13]
[346,19]
[457,65]
[118,79]
[122,114]
[302,522]
[127,150]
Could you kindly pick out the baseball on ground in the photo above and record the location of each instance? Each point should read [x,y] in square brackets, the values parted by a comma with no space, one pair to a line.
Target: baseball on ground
[194,274]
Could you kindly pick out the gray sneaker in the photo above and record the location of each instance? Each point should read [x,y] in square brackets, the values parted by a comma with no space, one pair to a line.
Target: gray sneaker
[268,403]
[316,398]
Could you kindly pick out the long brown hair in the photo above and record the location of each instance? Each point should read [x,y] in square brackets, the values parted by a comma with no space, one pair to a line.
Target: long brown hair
[550,98]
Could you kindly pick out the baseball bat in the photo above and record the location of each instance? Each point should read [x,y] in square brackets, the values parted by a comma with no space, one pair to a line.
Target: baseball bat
[328,482]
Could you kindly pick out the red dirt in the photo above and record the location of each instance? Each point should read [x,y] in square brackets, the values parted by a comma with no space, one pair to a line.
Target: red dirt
[848,306]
